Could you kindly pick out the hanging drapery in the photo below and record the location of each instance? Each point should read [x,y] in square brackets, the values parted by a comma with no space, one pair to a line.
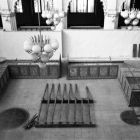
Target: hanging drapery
[73,6]
[86,6]
[46,4]
[15,6]
[80,5]
[90,5]
[85,3]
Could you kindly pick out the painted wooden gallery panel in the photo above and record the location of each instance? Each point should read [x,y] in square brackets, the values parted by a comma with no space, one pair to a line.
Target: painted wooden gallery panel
[1,84]
[130,81]
[112,71]
[53,71]
[92,71]
[44,72]
[24,70]
[34,70]
[4,77]
[104,71]
[30,71]
[13,71]
[83,71]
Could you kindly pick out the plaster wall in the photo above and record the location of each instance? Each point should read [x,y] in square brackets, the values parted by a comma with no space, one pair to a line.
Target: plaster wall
[99,43]
[11,43]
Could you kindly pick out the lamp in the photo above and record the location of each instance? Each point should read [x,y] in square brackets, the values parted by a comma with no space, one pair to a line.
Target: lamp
[53,16]
[41,48]
[131,16]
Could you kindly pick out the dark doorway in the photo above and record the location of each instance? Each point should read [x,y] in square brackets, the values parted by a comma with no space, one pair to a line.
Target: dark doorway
[0,22]
[28,16]
[87,19]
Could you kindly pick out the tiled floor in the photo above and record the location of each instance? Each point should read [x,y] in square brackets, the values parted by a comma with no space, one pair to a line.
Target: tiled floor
[109,104]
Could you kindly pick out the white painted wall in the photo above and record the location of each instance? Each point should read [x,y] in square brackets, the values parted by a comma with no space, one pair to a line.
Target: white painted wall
[99,43]
[75,44]
[11,43]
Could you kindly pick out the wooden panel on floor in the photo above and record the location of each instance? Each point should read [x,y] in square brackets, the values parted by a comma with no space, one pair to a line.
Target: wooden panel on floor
[79,114]
[57,114]
[50,114]
[71,117]
[66,109]
[46,93]
[64,113]
[43,114]
[86,114]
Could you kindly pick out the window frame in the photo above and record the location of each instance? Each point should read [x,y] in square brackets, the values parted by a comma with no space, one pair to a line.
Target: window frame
[94,19]
[29,18]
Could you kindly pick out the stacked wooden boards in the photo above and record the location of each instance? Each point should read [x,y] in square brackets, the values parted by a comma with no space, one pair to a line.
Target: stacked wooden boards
[63,106]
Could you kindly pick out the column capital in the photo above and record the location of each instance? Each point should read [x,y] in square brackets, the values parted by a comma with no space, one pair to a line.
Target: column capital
[111,19]
[8,17]
[6,12]
[111,13]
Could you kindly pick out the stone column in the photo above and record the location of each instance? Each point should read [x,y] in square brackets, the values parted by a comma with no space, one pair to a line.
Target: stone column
[110,14]
[8,21]
[8,17]
[111,20]
[58,4]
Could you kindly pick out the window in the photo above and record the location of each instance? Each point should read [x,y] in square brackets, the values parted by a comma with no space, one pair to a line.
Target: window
[27,12]
[85,6]
[85,14]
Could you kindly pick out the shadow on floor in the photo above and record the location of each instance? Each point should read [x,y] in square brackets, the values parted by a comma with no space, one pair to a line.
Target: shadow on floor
[129,117]
[13,118]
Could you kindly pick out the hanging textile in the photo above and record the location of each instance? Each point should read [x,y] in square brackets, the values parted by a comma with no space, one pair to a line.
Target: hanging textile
[84,6]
